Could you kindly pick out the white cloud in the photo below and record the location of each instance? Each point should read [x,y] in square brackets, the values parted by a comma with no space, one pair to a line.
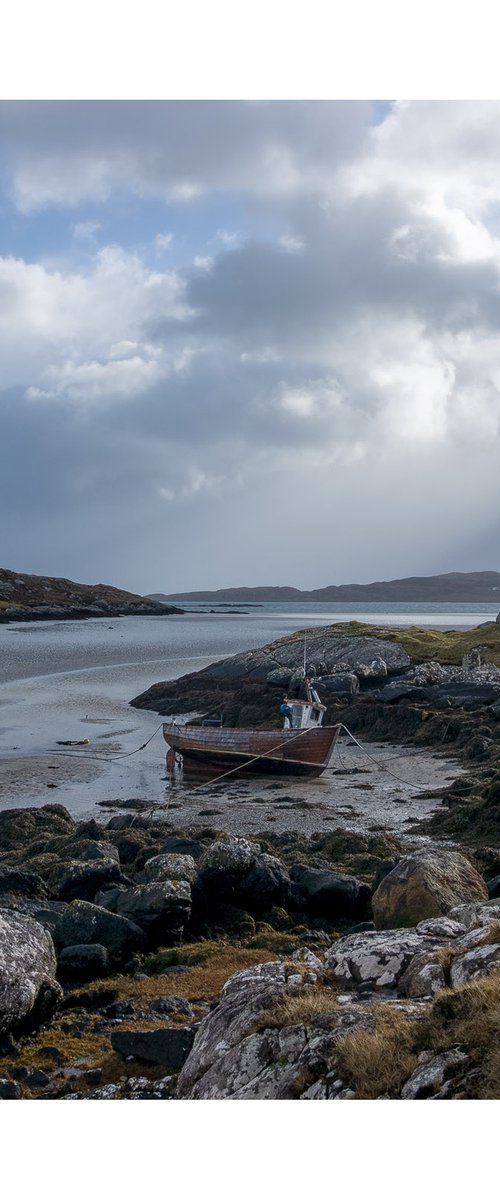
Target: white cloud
[85,231]
[163,241]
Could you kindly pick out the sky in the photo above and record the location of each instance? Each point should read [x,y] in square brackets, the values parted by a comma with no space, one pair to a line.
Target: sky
[249,342]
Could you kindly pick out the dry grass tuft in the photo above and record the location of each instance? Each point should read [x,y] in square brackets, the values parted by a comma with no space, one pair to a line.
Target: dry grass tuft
[298,1010]
[376,1063]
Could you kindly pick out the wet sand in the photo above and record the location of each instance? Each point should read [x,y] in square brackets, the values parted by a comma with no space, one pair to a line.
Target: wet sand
[26,781]
[360,793]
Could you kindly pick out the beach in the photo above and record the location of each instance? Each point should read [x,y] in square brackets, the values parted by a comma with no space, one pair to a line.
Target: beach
[73,681]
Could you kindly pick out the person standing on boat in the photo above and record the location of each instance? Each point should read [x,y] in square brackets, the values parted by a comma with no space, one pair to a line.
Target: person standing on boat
[286,711]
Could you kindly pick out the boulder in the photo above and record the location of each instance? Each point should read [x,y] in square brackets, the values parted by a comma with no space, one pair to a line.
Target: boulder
[169,866]
[224,865]
[425,884]
[423,978]
[266,885]
[245,997]
[476,916]
[375,959]
[29,992]
[329,894]
[169,1047]
[87,924]
[82,880]
[21,882]
[238,1052]
[429,1078]
[83,962]
[346,684]
[482,960]
[18,826]
[161,909]
[166,1005]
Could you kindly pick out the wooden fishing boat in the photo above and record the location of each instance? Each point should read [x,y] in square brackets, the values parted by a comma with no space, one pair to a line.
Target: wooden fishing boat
[303,747]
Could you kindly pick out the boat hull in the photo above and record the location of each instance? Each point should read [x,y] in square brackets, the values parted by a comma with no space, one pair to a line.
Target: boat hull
[254,751]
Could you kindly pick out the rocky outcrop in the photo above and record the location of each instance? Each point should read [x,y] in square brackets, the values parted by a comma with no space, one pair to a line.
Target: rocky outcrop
[331,895]
[424,885]
[29,992]
[43,598]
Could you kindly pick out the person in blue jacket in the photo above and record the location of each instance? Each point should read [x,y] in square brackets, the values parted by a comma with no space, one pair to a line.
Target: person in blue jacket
[286,711]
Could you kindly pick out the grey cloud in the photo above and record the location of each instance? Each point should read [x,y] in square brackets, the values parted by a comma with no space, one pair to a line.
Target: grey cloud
[58,148]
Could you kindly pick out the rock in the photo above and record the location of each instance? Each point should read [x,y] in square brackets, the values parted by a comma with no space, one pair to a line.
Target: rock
[483,960]
[425,884]
[172,1004]
[88,924]
[378,959]
[428,1078]
[339,685]
[19,826]
[183,845]
[9,1090]
[161,909]
[226,860]
[169,1047]
[476,916]
[265,886]
[23,882]
[169,866]
[442,927]
[423,978]
[83,962]
[99,850]
[245,997]
[494,888]
[29,992]
[227,920]
[376,669]
[329,894]
[233,1058]
[81,881]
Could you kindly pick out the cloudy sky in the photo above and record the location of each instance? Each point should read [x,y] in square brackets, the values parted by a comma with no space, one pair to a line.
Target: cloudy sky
[249,342]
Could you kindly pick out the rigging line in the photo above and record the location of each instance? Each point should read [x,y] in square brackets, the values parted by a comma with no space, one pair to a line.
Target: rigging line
[100,757]
[400,779]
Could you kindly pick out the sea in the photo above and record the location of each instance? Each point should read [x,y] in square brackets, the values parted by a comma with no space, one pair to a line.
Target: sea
[74,680]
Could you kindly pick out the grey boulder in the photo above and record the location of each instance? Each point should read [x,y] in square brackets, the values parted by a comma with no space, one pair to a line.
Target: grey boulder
[29,992]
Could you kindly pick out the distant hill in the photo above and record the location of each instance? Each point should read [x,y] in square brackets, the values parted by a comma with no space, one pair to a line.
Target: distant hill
[467,587]
[41,597]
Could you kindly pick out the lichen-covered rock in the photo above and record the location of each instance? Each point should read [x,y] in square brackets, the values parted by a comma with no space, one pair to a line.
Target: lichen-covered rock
[476,916]
[237,1056]
[169,866]
[83,924]
[245,997]
[483,960]
[423,978]
[161,909]
[29,991]
[423,885]
[378,959]
[228,855]
[427,1080]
